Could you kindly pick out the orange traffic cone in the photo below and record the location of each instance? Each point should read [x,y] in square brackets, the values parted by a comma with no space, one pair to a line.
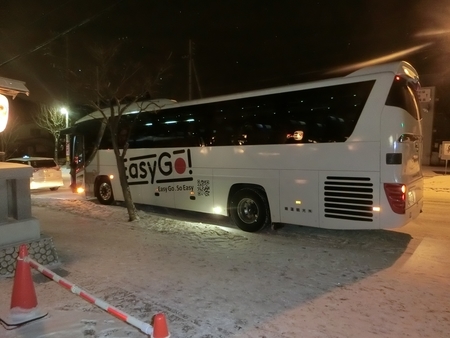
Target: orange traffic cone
[160,329]
[23,300]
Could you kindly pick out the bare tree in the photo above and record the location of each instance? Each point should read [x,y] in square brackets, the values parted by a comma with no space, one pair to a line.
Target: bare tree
[8,138]
[119,83]
[112,115]
[51,119]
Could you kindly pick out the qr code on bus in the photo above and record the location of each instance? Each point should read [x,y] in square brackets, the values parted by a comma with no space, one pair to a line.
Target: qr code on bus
[203,187]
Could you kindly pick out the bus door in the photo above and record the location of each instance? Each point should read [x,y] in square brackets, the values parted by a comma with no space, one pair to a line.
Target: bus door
[77,162]
[71,148]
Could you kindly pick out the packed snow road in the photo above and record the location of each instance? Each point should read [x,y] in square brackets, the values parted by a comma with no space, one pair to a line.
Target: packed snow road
[213,280]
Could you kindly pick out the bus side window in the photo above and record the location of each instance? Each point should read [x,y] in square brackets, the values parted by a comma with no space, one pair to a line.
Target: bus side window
[142,131]
[261,133]
[223,136]
[222,131]
[106,140]
[122,136]
[315,133]
[335,129]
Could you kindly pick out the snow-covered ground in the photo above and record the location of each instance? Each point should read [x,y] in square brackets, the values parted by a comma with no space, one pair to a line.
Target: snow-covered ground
[212,280]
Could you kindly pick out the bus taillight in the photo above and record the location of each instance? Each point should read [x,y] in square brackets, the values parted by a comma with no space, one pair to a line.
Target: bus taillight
[396,195]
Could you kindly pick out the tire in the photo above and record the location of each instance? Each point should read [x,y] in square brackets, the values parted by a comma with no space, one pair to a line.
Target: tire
[249,209]
[104,192]
[54,188]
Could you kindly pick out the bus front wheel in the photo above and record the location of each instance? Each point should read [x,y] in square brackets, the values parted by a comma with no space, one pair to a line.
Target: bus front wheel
[104,191]
[249,209]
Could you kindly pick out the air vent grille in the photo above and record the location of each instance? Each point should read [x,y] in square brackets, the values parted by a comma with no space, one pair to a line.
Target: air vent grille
[349,198]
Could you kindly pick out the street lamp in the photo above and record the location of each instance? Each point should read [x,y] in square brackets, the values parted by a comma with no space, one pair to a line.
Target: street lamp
[66,112]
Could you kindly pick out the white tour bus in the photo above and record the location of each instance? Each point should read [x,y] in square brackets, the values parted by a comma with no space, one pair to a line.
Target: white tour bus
[342,153]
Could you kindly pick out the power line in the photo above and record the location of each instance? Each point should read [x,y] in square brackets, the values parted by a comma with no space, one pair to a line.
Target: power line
[60,35]
[40,18]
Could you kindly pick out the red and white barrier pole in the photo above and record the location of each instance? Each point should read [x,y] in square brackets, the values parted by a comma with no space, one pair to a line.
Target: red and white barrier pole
[144,327]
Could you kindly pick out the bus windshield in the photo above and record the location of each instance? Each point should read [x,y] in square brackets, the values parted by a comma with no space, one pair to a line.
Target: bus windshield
[403,94]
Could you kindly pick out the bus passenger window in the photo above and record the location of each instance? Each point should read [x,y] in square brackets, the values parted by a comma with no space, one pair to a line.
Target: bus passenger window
[122,137]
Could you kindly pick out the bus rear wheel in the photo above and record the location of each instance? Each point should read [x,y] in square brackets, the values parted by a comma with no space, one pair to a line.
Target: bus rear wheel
[249,209]
[104,191]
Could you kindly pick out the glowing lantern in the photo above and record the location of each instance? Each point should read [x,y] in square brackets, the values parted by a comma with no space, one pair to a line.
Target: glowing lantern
[4,108]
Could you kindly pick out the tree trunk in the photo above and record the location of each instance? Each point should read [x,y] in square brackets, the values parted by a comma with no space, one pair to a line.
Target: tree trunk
[131,208]
[129,204]
[55,154]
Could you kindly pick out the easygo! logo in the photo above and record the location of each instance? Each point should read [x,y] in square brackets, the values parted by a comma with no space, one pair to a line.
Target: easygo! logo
[164,168]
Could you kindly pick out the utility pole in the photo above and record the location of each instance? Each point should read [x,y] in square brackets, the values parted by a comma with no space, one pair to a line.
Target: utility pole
[191,68]
[98,85]
[196,79]
[67,69]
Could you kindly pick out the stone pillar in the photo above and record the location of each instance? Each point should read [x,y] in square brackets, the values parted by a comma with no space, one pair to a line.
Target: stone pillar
[16,222]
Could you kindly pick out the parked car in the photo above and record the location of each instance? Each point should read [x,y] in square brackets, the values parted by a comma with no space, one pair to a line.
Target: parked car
[46,172]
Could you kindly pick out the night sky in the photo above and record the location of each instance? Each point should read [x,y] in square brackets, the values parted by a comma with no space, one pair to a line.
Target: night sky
[239,45]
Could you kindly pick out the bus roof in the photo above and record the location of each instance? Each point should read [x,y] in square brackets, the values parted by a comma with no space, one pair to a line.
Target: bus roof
[136,107]
[401,68]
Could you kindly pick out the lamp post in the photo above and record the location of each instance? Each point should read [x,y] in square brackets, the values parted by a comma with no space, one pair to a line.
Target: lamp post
[66,112]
